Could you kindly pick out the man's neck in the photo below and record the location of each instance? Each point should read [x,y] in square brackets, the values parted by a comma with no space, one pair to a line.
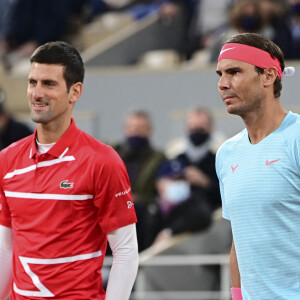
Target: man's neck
[51,133]
[264,122]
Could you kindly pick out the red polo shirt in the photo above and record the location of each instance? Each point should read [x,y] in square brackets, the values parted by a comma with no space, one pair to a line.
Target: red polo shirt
[60,206]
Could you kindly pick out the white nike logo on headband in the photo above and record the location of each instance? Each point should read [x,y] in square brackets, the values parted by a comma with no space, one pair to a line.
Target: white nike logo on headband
[226,50]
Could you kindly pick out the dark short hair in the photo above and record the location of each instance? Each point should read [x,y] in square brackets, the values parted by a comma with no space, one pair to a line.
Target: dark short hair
[261,42]
[61,53]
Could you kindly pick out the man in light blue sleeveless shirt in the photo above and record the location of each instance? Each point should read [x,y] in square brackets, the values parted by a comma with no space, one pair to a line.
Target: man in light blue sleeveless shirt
[259,172]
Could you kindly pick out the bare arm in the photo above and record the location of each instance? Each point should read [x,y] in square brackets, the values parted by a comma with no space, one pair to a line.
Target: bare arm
[234,268]
[6,244]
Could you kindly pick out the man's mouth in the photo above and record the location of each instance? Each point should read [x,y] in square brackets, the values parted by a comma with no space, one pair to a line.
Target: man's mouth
[39,105]
[227,98]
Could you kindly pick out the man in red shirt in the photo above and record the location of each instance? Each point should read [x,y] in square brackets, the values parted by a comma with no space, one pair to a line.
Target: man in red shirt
[63,194]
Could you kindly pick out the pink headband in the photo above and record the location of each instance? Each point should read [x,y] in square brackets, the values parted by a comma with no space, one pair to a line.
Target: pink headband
[251,55]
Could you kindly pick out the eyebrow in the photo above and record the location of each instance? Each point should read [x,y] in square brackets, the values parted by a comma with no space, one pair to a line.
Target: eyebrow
[44,81]
[229,70]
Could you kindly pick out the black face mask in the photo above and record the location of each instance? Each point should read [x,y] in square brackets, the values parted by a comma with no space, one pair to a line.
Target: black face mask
[249,23]
[198,137]
[296,9]
[136,142]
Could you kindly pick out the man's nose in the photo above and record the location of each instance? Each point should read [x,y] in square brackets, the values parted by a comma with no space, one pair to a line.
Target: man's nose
[37,92]
[223,83]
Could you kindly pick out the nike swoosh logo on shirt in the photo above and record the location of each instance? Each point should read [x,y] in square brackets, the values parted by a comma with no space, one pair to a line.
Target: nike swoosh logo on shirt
[271,162]
[226,50]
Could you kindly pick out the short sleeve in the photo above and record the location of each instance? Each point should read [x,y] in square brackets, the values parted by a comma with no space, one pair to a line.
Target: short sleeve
[113,194]
[294,149]
[292,139]
[5,218]
[225,212]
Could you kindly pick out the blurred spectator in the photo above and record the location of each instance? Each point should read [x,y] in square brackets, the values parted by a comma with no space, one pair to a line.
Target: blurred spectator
[140,158]
[199,158]
[142,8]
[285,21]
[142,162]
[11,130]
[209,18]
[4,8]
[33,22]
[95,8]
[277,19]
[177,209]
[245,16]
[275,11]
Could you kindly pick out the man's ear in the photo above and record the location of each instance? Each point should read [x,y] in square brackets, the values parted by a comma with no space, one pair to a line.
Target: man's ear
[270,76]
[75,92]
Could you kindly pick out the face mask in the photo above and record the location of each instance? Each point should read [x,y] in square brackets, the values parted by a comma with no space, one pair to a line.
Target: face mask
[136,141]
[249,23]
[178,191]
[296,8]
[198,137]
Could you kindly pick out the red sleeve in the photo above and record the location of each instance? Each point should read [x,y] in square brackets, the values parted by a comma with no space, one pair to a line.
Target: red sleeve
[113,195]
[5,218]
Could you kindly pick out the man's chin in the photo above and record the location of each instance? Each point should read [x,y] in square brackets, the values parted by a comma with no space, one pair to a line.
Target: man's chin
[233,110]
[38,119]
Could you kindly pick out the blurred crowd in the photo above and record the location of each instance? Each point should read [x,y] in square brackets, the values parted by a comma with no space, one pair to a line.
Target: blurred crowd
[25,24]
[172,194]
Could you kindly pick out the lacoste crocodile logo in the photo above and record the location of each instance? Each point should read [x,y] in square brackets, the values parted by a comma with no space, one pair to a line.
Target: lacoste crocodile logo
[66,185]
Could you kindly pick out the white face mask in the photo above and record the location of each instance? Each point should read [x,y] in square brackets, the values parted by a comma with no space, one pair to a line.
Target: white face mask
[178,191]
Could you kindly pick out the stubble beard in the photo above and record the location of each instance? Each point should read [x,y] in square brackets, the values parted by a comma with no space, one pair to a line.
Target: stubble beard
[251,105]
[40,118]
